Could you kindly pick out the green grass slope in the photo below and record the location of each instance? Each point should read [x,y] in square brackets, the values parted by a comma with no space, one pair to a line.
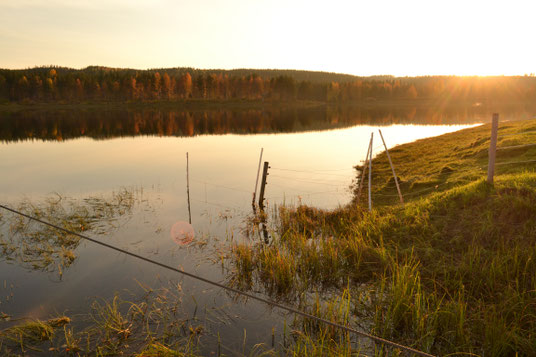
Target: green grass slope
[453,270]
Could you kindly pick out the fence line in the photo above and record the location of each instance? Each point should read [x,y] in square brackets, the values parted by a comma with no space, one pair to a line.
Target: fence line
[221,186]
[424,189]
[514,134]
[516,146]
[217,204]
[315,172]
[327,183]
[312,170]
[228,288]
[304,194]
[515,162]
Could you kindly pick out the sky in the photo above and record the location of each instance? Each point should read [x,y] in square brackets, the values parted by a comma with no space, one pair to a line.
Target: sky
[401,38]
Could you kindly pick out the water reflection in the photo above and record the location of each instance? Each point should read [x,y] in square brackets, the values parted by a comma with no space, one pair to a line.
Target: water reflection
[104,124]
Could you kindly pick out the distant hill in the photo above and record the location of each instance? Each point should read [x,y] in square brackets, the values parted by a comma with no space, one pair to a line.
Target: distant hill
[297,75]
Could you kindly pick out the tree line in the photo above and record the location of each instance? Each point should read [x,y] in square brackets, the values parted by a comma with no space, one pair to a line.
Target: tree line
[58,84]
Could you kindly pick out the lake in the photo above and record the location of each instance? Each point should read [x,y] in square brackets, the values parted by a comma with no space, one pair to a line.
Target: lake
[125,170]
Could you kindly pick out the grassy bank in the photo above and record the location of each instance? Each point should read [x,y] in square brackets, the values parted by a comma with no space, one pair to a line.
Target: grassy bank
[451,271]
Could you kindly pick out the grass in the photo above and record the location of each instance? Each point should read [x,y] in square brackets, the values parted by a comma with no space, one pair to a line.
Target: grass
[154,325]
[39,247]
[440,163]
[27,336]
[451,271]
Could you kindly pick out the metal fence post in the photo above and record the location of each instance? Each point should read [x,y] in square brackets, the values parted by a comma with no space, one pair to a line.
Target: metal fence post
[493,147]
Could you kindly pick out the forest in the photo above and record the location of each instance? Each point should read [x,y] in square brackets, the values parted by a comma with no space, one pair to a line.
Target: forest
[96,84]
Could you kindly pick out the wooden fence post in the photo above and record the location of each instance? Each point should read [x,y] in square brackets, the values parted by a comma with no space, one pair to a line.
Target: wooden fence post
[392,167]
[493,147]
[263,185]
[188,189]
[257,180]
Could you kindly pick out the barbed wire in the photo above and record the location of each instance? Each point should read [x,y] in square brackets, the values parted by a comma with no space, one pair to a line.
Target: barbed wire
[519,133]
[514,162]
[314,170]
[303,171]
[217,204]
[304,194]
[516,146]
[220,186]
[228,288]
[327,183]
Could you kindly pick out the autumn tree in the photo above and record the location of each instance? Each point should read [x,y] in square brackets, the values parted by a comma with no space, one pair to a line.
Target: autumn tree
[411,92]
[184,86]
[167,87]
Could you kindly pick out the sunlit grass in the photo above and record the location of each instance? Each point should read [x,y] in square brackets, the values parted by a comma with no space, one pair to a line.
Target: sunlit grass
[452,270]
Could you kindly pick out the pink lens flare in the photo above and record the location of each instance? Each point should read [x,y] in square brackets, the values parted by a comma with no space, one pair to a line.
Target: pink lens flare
[182,233]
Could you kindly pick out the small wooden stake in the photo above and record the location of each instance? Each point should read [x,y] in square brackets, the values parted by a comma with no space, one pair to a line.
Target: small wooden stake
[188,189]
[257,181]
[263,185]
[392,168]
[370,175]
[363,172]
[493,146]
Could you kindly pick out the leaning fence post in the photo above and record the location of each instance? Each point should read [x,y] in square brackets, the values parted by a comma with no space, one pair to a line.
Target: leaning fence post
[493,146]
[263,185]
[257,180]
[392,168]
[363,172]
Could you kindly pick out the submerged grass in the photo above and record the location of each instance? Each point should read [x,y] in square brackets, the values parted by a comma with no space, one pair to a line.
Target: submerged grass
[152,326]
[39,247]
[451,271]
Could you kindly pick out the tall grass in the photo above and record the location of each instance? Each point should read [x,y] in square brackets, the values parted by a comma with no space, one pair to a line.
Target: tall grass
[451,271]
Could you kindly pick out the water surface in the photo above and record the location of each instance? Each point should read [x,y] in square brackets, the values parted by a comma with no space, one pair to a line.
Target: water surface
[86,158]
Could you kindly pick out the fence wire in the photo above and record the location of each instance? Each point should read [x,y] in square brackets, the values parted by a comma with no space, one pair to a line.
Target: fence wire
[228,288]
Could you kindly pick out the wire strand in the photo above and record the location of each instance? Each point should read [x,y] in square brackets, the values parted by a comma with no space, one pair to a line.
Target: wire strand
[515,162]
[236,291]
[305,194]
[315,172]
[516,146]
[520,133]
[328,183]
[220,186]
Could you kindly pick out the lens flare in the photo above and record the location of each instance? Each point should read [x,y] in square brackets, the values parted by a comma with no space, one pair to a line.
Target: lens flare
[182,233]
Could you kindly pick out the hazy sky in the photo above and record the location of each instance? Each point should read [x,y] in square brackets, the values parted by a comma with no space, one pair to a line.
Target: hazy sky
[356,37]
